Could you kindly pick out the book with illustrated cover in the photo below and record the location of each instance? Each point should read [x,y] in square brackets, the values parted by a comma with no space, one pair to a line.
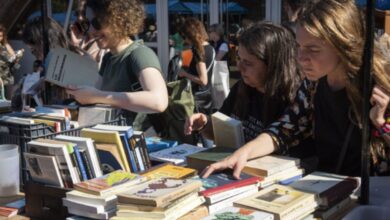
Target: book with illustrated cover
[330,188]
[43,169]
[107,137]
[270,165]
[282,201]
[202,159]
[228,132]
[110,183]
[65,68]
[169,171]
[176,155]
[239,213]
[159,192]
[197,213]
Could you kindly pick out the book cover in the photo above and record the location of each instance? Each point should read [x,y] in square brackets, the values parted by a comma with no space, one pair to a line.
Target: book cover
[109,157]
[159,192]
[228,132]
[107,137]
[65,68]
[330,188]
[170,171]
[239,213]
[176,155]
[156,144]
[282,201]
[109,183]
[201,160]
[43,169]
[8,212]
[87,144]
[85,207]
[283,175]
[269,165]
[220,182]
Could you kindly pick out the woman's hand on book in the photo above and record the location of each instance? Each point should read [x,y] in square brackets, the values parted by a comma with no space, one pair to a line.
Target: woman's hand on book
[195,123]
[236,162]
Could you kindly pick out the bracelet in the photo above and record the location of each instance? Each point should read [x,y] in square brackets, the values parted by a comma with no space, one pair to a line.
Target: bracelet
[383,130]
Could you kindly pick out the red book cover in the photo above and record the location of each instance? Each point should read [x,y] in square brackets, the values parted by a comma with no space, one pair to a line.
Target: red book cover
[221,182]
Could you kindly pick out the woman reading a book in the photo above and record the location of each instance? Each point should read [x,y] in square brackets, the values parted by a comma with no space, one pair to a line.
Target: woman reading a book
[130,74]
[268,85]
[331,37]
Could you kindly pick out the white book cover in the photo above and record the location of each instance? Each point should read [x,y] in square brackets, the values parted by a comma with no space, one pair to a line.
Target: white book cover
[68,68]
[269,165]
[91,199]
[228,132]
[104,215]
[229,201]
[61,152]
[128,130]
[86,207]
[231,212]
[177,154]
[87,144]
[43,169]
[92,115]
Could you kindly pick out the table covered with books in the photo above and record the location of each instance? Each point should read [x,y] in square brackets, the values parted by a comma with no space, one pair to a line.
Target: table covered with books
[114,172]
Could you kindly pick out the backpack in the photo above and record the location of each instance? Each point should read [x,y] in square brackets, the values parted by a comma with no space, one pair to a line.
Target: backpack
[174,67]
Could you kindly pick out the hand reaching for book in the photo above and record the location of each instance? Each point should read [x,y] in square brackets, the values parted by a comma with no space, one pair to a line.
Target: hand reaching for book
[195,123]
[236,161]
[84,94]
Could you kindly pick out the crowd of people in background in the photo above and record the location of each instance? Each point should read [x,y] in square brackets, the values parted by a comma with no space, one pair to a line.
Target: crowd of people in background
[299,92]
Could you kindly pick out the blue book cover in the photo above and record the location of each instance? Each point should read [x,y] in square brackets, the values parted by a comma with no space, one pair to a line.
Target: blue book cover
[128,151]
[108,161]
[156,144]
[80,163]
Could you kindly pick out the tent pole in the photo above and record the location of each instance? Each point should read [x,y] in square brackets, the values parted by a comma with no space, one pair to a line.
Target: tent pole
[45,23]
[367,87]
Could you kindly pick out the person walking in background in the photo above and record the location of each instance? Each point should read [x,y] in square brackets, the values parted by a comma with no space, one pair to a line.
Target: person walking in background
[217,40]
[331,36]
[8,63]
[130,74]
[200,69]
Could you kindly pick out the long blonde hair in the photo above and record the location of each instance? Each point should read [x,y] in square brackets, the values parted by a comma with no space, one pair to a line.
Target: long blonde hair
[341,24]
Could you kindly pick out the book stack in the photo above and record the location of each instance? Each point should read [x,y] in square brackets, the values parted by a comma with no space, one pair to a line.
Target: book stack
[159,199]
[283,202]
[275,169]
[201,160]
[96,198]
[222,189]
[176,155]
[332,192]
[119,147]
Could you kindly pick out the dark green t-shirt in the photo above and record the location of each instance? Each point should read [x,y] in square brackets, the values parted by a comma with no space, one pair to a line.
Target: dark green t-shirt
[120,73]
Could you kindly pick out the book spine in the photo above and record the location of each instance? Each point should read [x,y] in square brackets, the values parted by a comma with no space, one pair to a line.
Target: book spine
[230,186]
[145,152]
[133,145]
[128,152]
[338,192]
[140,158]
[81,168]
[87,165]
[75,166]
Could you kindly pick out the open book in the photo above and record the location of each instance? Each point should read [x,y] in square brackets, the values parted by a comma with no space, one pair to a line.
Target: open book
[68,68]
[228,132]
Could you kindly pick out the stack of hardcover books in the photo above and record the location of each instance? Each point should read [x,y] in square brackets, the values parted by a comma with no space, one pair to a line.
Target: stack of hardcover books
[160,199]
[222,189]
[96,198]
[332,192]
[275,169]
[231,212]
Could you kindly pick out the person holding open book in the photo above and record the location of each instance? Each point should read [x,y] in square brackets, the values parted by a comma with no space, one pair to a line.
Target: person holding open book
[130,74]
[331,37]
[268,85]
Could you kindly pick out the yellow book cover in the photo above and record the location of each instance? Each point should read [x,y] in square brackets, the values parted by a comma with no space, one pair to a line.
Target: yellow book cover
[170,171]
[107,137]
[282,201]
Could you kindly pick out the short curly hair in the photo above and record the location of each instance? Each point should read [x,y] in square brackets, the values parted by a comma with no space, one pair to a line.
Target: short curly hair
[125,17]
